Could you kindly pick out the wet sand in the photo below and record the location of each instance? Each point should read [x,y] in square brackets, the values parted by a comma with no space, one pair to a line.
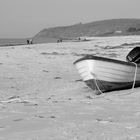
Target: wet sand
[42,96]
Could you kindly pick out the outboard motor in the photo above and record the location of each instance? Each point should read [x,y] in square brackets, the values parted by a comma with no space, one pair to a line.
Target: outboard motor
[134,55]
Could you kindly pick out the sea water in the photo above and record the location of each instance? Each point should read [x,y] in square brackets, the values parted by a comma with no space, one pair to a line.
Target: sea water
[11,42]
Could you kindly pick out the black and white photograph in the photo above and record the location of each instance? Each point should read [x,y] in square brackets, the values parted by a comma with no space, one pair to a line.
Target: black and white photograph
[69,70]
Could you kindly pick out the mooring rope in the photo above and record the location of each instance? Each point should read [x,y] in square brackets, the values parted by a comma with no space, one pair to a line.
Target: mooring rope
[135,75]
[95,80]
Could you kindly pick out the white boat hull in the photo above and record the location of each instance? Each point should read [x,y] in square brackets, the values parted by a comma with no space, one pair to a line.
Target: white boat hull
[108,73]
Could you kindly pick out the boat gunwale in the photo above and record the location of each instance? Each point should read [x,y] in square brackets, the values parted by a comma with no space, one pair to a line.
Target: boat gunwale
[92,57]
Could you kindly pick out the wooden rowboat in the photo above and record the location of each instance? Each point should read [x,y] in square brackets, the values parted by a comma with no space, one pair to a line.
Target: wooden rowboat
[104,74]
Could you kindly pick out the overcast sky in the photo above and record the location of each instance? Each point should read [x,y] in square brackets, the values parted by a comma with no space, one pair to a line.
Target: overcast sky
[25,18]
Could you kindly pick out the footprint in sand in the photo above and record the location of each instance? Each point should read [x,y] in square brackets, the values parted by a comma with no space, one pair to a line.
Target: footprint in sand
[45,71]
[2,128]
[17,120]
[53,117]
[57,78]
[39,116]
[79,80]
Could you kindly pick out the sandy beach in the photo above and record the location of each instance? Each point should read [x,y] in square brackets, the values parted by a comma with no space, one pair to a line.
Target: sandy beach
[42,96]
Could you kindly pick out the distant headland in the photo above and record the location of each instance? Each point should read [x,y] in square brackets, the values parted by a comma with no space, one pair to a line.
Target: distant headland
[110,27]
[102,28]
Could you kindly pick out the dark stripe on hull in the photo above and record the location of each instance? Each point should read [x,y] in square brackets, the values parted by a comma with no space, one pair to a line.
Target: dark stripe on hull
[105,86]
[92,57]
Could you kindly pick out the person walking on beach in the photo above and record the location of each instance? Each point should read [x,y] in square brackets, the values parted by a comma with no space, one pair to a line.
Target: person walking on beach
[28,41]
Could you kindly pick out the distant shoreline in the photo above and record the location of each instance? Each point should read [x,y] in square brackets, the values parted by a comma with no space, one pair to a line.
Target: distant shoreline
[23,41]
[12,41]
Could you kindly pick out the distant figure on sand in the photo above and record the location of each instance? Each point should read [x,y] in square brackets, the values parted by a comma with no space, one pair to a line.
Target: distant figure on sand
[59,40]
[29,41]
